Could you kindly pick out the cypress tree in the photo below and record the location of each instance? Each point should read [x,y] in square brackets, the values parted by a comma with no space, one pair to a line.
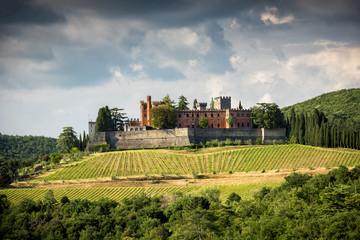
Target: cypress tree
[84,141]
[80,143]
[301,129]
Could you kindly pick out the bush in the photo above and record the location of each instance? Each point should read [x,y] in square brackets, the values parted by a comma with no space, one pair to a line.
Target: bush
[258,141]
[221,143]
[215,142]
[228,142]
[104,147]
[248,142]
[238,142]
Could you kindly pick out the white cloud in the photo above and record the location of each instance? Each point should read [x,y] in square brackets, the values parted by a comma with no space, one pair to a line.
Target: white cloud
[136,67]
[234,24]
[263,77]
[193,62]
[270,16]
[267,98]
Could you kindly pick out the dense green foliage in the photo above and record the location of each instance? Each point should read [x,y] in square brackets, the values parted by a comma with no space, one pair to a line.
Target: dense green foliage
[26,147]
[67,140]
[212,104]
[167,101]
[144,162]
[163,117]
[182,104]
[304,207]
[110,119]
[267,115]
[337,106]
[104,122]
[194,103]
[315,129]
[204,122]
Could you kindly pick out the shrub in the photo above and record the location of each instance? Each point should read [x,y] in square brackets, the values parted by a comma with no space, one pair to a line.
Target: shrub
[221,143]
[258,141]
[238,142]
[228,141]
[104,147]
[248,142]
[215,142]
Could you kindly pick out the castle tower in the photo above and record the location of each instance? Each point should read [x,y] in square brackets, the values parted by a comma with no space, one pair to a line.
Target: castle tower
[92,128]
[222,102]
[149,106]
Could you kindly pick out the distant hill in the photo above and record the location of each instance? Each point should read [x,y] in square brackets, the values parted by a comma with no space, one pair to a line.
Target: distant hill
[337,106]
[25,147]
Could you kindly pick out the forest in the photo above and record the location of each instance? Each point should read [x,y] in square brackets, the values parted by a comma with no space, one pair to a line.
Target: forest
[324,206]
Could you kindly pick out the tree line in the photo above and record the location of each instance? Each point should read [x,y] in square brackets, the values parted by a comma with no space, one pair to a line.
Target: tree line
[324,206]
[314,129]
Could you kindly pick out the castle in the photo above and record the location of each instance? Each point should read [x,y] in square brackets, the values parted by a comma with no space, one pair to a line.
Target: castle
[217,117]
[188,131]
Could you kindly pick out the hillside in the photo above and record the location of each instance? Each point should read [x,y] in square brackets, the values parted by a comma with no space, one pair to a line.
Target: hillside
[162,162]
[25,147]
[337,106]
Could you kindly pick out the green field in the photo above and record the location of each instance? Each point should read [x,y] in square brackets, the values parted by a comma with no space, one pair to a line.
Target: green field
[147,162]
[246,191]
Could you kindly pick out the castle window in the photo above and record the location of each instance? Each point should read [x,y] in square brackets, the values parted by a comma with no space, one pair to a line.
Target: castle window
[238,124]
[212,125]
[247,115]
[187,120]
[238,115]
[218,119]
[192,115]
[248,125]
[212,119]
[218,115]
[205,114]
[197,115]
[193,126]
[192,120]
[218,125]
[144,115]
[242,125]
[187,115]
[179,115]
[242,115]
[212,115]
[179,125]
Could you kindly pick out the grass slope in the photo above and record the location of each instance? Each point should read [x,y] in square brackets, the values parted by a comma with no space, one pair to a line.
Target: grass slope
[337,106]
[15,195]
[149,162]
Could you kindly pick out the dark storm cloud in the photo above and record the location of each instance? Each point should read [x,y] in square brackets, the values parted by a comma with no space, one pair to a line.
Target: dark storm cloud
[26,12]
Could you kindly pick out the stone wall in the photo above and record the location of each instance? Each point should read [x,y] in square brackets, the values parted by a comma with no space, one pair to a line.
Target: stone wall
[181,137]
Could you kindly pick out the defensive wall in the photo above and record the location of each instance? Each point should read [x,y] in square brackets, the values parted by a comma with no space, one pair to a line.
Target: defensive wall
[181,137]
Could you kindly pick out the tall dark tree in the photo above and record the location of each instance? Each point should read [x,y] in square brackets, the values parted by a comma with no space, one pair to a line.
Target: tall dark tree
[67,140]
[167,101]
[119,118]
[182,104]
[194,104]
[240,105]
[104,120]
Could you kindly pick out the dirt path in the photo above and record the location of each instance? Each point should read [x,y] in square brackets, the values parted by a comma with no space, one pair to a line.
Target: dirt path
[172,181]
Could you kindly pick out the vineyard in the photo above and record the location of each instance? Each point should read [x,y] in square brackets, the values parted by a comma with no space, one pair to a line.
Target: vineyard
[246,191]
[150,162]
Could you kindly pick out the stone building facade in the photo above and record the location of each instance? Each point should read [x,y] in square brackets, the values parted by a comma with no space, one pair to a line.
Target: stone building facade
[217,118]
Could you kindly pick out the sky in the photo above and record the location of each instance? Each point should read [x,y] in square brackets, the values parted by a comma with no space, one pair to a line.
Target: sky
[62,60]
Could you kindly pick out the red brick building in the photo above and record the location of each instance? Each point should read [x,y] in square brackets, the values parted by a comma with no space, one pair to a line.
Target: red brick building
[217,118]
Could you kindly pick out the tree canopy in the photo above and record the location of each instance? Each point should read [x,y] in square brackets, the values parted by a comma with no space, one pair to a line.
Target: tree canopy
[212,104]
[163,117]
[67,140]
[194,104]
[182,104]
[267,115]
[167,101]
[110,119]
[204,122]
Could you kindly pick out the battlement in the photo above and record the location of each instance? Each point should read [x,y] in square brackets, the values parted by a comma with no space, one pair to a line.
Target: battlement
[222,102]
